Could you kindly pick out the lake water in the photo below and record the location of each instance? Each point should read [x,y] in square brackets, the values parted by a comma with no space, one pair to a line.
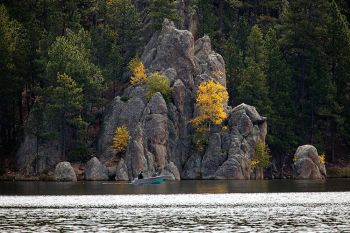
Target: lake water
[186,206]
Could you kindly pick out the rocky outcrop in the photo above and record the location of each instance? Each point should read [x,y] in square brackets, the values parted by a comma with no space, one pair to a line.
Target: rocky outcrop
[307,164]
[36,156]
[161,133]
[171,172]
[35,159]
[65,172]
[95,170]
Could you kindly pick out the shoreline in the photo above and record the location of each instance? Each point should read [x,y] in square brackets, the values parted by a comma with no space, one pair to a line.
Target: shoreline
[332,173]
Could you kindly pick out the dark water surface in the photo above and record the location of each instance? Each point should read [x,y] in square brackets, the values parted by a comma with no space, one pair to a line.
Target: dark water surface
[186,206]
[182,187]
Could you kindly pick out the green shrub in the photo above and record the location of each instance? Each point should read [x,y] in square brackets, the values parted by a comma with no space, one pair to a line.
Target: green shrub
[158,82]
[200,138]
[262,156]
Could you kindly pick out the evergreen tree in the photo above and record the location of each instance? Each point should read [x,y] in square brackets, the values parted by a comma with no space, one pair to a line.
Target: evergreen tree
[12,53]
[253,88]
[208,21]
[125,23]
[338,51]
[235,50]
[107,54]
[161,9]
[71,55]
[304,37]
[65,107]
[282,122]
[256,51]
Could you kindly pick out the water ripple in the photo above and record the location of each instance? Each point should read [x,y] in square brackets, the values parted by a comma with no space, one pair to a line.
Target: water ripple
[264,212]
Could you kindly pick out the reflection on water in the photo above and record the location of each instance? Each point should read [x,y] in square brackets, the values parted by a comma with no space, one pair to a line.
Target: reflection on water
[182,187]
[235,212]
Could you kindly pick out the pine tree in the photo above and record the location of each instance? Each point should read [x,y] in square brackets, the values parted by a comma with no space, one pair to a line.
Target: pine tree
[208,21]
[282,124]
[252,87]
[124,22]
[235,50]
[256,51]
[71,54]
[338,51]
[304,40]
[12,71]
[161,9]
[65,107]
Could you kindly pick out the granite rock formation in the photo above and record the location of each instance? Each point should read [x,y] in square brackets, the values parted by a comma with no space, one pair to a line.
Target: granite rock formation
[307,164]
[161,132]
[65,172]
[95,170]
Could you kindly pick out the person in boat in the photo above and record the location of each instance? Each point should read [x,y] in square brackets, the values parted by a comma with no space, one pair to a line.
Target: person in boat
[140,176]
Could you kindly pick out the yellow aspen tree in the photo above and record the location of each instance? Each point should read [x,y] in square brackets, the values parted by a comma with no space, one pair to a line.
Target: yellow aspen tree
[138,70]
[210,101]
[121,139]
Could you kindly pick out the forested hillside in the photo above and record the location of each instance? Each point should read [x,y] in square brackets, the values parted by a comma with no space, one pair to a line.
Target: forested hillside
[63,61]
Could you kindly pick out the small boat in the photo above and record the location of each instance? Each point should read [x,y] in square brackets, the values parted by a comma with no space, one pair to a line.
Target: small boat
[150,180]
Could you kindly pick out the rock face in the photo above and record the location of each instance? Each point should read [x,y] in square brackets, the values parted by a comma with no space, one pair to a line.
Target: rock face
[161,133]
[35,157]
[95,170]
[33,163]
[307,164]
[65,172]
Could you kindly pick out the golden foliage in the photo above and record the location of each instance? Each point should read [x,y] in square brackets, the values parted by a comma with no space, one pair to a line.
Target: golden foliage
[121,139]
[262,156]
[253,163]
[158,82]
[138,70]
[322,159]
[210,101]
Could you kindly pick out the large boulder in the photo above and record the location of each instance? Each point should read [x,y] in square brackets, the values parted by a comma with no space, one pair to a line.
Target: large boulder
[122,171]
[95,170]
[65,172]
[307,164]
